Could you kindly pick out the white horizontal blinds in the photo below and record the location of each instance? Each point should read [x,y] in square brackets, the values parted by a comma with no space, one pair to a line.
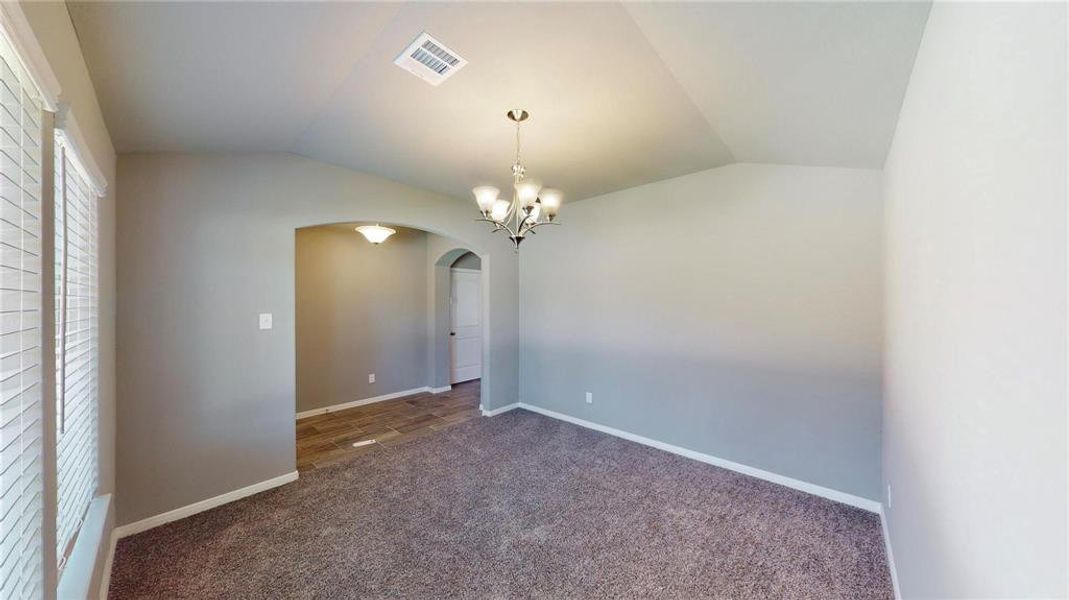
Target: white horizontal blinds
[20,332]
[76,348]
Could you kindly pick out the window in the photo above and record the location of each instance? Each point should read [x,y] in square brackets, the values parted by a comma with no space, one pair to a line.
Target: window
[76,346]
[20,330]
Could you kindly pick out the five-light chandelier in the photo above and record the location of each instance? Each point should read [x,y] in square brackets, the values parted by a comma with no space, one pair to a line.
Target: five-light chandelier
[531,206]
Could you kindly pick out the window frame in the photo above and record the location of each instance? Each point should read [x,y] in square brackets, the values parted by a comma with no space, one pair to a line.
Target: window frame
[67,167]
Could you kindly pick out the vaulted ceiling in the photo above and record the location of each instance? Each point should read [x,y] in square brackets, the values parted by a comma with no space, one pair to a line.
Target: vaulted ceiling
[620,94]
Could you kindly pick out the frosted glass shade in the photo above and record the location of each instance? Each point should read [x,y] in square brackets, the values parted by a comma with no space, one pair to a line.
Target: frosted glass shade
[550,200]
[376,234]
[536,210]
[485,196]
[500,211]
[527,192]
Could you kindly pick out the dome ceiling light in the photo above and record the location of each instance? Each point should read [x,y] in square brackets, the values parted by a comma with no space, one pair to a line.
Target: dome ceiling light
[376,234]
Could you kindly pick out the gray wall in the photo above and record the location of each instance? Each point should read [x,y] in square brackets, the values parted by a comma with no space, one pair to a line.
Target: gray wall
[361,309]
[206,400]
[975,404]
[735,312]
[468,260]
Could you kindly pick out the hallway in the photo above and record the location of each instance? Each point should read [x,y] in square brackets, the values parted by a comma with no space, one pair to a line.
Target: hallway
[328,438]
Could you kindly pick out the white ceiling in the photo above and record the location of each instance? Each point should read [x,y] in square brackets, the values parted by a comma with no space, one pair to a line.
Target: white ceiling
[620,95]
[797,83]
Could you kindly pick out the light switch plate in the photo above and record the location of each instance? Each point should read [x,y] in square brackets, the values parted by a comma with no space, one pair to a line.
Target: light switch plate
[266,321]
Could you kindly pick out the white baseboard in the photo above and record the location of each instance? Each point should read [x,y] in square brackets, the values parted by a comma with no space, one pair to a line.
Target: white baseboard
[203,505]
[890,554]
[797,484]
[344,405]
[439,390]
[498,411]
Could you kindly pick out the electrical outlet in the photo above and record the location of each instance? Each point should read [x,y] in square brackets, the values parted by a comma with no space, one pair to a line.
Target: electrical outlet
[888,495]
[265,321]
[371,378]
[590,397]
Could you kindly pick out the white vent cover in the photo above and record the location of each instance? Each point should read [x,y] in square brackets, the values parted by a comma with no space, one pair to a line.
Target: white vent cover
[430,60]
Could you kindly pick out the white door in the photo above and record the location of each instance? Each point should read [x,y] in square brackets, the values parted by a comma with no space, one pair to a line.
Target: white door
[466,332]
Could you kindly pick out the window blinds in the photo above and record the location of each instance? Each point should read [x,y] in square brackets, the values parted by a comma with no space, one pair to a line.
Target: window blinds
[76,347]
[20,332]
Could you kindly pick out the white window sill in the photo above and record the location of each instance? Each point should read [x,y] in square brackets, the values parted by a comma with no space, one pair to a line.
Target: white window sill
[91,547]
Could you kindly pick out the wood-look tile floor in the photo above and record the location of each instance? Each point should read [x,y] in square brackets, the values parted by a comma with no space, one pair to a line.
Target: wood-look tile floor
[327,438]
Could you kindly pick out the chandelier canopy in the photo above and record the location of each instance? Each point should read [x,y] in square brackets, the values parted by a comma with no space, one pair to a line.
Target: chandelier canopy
[531,206]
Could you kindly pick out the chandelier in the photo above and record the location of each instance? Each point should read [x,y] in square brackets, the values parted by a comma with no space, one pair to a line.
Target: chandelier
[531,206]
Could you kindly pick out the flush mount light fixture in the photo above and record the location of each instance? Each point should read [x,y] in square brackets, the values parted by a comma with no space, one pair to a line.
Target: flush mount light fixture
[531,206]
[376,234]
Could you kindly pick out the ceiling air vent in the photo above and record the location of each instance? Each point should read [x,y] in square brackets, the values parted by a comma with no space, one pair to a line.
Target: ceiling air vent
[430,60]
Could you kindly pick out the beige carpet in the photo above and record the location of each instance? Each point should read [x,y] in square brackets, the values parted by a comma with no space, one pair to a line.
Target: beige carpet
[514,506]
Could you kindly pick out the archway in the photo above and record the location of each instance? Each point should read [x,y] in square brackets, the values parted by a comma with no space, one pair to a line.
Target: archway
[440,359]
[360,340]
[235,217]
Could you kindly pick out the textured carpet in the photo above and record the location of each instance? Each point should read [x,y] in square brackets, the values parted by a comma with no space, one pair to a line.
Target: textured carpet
[514,506]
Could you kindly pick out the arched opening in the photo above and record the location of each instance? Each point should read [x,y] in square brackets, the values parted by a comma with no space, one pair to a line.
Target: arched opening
[383,331]
[457,303]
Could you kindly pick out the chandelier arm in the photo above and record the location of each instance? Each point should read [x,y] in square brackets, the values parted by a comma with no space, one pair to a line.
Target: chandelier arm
[531,227]
[524,221]
[515,210]
[498,226]
[512,215]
